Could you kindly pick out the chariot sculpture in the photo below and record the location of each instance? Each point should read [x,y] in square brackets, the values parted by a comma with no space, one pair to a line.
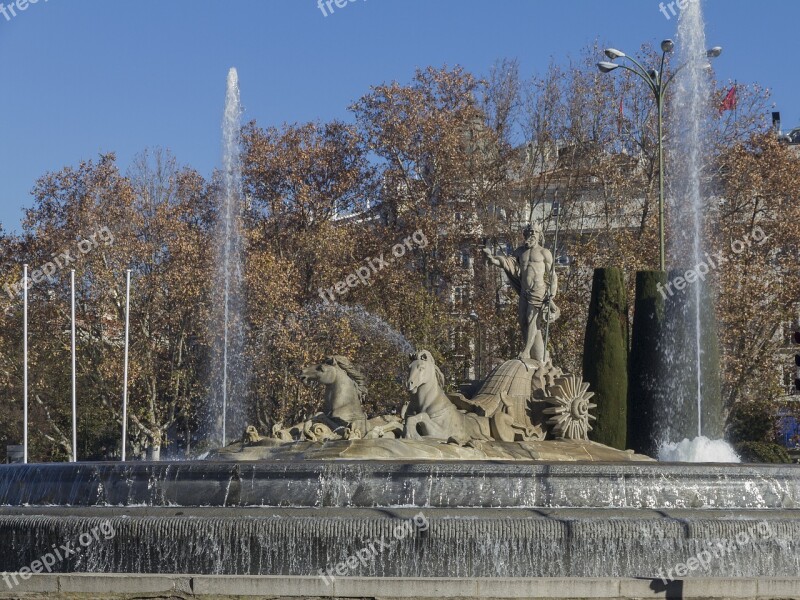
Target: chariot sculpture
[520,401]
[527,399]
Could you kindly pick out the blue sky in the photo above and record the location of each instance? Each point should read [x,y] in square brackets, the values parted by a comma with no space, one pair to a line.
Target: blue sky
[81,77]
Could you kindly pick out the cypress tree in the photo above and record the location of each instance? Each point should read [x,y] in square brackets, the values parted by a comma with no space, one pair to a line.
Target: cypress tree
[646,363]
[605,357]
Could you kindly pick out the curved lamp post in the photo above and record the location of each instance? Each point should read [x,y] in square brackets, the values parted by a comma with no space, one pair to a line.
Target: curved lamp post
[658,84]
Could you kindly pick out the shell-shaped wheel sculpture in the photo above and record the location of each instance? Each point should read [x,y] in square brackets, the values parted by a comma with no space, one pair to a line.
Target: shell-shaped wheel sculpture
[569,397]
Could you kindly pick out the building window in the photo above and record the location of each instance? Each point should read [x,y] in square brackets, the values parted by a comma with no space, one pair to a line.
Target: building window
[466,258]
[459,296]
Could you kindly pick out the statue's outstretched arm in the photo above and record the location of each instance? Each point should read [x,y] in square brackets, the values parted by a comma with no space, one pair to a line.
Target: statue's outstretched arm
[490,255]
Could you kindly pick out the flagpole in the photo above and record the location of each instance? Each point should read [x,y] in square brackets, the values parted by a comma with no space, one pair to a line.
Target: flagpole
[125,370]
[74,377]
[25,362]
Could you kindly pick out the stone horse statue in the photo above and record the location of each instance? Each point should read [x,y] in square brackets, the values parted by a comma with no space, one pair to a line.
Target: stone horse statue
[431,413]
[345,389]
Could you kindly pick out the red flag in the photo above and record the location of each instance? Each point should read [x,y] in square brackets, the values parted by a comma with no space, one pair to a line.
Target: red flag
[730,101]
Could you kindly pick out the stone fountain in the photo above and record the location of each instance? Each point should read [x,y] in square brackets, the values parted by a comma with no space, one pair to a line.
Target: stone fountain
[498,493]
[527,408]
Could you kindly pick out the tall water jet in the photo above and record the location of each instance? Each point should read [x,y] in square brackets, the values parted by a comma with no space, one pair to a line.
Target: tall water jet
[229,373]
[692,399]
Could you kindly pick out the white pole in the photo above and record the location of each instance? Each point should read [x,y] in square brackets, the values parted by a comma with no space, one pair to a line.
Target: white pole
[74,377]
[25,362]
[125,374]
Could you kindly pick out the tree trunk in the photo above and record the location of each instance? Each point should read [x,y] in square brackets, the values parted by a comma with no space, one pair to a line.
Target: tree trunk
[154,453]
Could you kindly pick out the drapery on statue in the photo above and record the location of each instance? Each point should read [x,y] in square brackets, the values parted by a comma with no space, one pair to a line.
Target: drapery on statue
[530,271]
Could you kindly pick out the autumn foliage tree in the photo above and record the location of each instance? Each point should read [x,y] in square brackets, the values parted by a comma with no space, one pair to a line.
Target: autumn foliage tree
[442,165]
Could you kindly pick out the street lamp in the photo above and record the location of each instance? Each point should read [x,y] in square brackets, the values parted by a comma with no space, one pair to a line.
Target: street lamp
[658,84]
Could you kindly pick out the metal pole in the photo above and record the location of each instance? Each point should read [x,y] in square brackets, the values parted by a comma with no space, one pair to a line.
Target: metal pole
[661,193]
[74,376]
[125,370]
[25,362]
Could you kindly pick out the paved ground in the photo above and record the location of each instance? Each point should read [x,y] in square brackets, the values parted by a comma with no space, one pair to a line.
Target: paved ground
[113,587]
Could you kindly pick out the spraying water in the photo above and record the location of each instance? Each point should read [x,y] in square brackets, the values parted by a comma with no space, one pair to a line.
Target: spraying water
[366,322]
[699,450]
[693,402]
[694,92]
[229,372]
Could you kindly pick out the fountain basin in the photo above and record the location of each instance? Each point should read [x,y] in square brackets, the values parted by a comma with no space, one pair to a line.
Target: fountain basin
[483,519]
[458,543]
[392,484]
